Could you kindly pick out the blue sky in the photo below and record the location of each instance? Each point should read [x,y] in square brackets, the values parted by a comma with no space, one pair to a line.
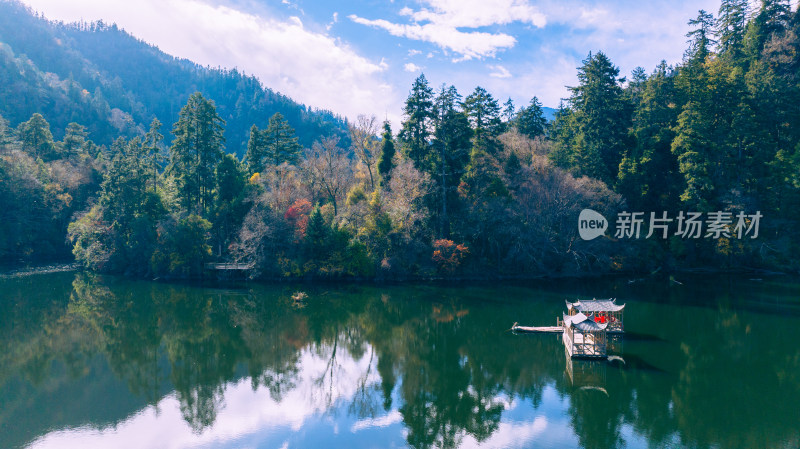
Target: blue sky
[360,57]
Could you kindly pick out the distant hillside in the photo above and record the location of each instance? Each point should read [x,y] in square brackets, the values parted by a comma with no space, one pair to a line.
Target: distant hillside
[549,113]
[102,77]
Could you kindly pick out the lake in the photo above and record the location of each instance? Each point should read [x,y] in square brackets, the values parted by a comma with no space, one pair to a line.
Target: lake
[106,362]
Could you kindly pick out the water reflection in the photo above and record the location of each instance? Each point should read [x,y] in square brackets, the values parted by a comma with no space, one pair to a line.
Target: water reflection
[105,362]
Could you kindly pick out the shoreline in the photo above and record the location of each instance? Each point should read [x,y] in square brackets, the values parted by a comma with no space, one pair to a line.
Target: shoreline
[633,276]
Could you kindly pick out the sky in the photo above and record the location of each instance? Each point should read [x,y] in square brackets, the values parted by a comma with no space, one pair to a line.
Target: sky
[361,57]
[314,414]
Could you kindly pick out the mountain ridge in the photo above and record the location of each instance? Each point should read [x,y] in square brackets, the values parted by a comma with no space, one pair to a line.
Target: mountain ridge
[91,73]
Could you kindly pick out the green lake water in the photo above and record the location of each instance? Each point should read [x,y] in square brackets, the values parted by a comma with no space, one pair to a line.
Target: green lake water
[104,362]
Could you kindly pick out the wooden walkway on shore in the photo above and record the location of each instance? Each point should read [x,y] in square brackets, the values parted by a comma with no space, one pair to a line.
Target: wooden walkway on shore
[229,266]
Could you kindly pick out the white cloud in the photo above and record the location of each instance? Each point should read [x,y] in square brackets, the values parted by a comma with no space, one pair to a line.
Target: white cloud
[411,67]
[510,434]
[468,45]
[631,33]
[441,23]
[499,71]
[334,20]
[313,68]
[477,13]
[391,418]
[247,413]
[413,52]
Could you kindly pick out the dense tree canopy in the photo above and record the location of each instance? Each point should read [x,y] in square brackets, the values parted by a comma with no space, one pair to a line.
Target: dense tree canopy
[466,188]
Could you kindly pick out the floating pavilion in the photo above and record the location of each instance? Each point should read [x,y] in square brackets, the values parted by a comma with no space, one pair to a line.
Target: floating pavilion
[604,311]
[583,336]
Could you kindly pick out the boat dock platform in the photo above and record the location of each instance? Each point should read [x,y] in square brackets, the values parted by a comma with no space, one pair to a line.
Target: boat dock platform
[584,330]
[541,329]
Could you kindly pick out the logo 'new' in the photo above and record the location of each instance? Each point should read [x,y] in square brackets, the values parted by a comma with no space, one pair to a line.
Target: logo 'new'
[591,224]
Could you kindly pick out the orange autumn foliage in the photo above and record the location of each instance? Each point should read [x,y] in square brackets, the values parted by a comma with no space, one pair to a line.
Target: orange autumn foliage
[448,255]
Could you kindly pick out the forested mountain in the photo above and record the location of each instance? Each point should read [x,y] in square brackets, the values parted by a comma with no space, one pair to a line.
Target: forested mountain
[114,84]
[706,152]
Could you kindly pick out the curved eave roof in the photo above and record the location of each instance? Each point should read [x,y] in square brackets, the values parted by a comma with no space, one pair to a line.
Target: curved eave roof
[584,323]
[596,305]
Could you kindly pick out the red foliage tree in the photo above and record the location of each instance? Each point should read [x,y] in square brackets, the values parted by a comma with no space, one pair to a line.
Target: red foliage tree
[297,215]
[448,255]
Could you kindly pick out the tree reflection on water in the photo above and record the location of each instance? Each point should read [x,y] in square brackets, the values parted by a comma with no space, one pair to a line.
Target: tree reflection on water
[437,360]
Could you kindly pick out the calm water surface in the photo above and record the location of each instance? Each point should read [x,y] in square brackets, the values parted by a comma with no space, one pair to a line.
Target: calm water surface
[90,361]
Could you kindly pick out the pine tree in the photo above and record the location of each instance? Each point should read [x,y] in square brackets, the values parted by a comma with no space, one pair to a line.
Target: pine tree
[36,139]
[195,152]
[483,113]
[317,236]
[256,151]
[692,147]
[649,176]
[701,37]
[280,141]
[731,26]
[562,132]
[153,143]
[74,139]
[530,120]
[509,112]
[602,116]
[451,146]
[230,207]
[416,128]
[386,160]
[772,19]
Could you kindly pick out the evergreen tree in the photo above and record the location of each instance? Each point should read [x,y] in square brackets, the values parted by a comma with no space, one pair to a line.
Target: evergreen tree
[451,145]
[530,120]
[509,112]
[484,116]
[772,19]
[130,209]
[715,138]
[731,26]
[386,160]
[649,176]
[633,91]
[256,151]
[693,148]
[74,139]
[602,116]
[195,152]
[317,236]
[416,128]
[153,143]
[701,37]
[280,141]
[36,139]
[562,132]
[230,206]
[124,184]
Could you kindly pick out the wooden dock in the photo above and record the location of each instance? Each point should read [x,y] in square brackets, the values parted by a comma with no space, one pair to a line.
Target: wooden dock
[539,329]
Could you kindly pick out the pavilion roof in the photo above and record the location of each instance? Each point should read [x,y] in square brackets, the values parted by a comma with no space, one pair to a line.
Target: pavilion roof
[596,305]
[583,323]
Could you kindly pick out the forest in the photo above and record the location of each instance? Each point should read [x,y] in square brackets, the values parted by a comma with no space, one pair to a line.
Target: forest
[468,187]
[114,84]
